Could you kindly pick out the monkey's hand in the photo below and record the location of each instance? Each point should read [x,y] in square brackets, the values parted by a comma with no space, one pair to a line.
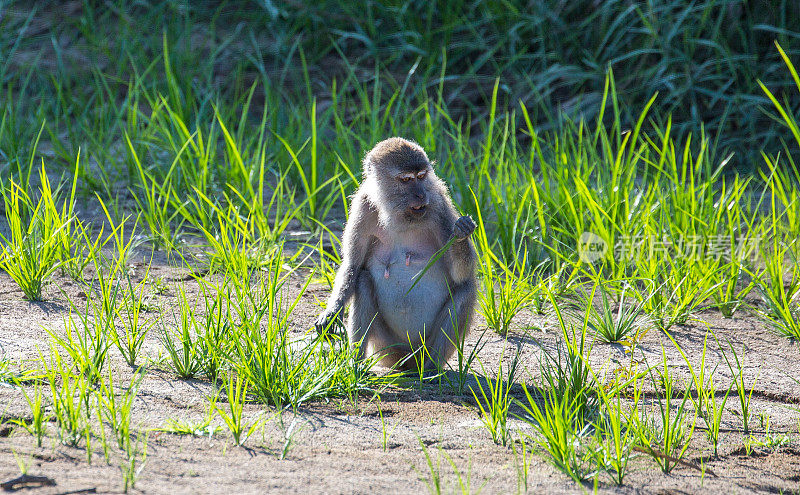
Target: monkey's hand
[326,320]
[464,227]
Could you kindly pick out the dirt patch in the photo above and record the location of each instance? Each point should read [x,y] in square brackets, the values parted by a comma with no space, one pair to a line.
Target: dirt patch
[340,446]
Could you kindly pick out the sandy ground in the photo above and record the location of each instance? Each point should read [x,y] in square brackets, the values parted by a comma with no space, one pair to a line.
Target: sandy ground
[338,447]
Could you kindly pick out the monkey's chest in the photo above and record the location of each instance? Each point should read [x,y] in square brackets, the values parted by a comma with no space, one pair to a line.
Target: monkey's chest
[403,308]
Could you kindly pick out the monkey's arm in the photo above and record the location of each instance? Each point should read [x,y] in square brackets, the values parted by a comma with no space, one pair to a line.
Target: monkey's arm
[358,234]
[462,253]
[461,257]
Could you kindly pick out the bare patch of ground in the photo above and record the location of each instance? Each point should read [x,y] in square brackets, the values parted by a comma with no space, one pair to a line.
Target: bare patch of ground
[340,446]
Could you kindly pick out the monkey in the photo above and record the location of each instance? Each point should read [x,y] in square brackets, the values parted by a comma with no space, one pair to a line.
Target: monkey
[400,216]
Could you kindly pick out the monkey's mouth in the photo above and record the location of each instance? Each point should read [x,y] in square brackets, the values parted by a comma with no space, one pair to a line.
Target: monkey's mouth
[419,210]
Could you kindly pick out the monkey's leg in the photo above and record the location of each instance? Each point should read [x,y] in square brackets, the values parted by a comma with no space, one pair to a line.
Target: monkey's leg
[365,325]
[451,325]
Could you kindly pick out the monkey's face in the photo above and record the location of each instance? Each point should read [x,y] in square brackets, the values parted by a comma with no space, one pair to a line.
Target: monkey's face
[408,192]
[403,180]
[413,189]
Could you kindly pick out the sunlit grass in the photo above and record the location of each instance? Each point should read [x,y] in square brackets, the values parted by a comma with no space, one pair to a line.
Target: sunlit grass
[213,169]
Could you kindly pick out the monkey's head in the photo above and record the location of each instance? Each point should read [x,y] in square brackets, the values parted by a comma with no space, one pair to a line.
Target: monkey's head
[403,179]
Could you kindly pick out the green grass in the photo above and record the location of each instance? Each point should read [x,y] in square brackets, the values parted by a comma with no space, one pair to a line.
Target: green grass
[494,399]
[434,478]
[116,409]
[668,130]
[70,394]
[236,390]
[504,293]
[615,436]
[623,325]
[181,343]
[88,335]
[136,324]
[560,435]
[238,165]
[665,431]
[704,58]
[37,426]
[739,386]
[32,250]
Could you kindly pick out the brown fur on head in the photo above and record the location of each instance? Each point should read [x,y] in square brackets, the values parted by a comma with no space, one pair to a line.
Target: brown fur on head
[395,154]
[401,179]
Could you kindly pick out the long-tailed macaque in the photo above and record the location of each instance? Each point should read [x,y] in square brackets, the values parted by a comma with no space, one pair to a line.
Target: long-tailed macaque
[400,217]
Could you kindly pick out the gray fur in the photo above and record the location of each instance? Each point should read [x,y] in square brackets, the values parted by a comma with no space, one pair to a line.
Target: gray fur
[393,230]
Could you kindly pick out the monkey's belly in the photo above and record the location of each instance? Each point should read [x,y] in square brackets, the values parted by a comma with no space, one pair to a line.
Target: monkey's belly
[408,315]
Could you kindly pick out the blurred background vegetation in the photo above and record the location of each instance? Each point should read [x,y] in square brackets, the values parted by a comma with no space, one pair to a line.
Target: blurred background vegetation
[703,58]
[549,117]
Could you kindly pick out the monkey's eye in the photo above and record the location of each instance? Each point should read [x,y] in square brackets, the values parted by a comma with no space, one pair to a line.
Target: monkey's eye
[405,178]
[421,175]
